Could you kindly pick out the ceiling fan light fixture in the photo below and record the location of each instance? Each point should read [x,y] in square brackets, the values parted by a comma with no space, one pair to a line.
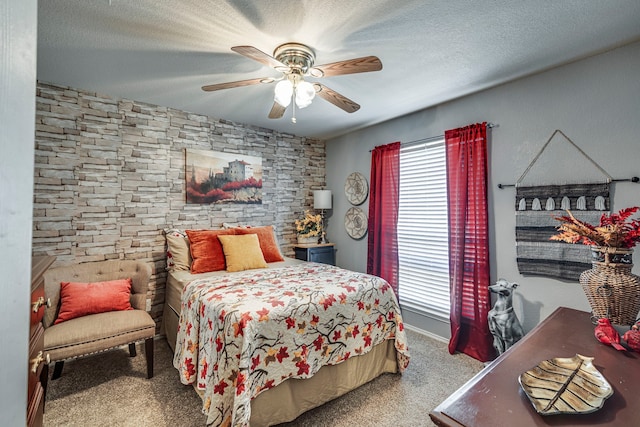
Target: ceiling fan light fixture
[296,61]
[304,94]
[283,93]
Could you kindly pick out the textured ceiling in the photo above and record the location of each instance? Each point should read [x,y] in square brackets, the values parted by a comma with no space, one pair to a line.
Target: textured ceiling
[163,51]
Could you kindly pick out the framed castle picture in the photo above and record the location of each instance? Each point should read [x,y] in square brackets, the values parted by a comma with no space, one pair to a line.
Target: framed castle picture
[216,177]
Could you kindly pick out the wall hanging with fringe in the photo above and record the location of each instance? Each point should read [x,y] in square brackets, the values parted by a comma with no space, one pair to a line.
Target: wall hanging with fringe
[537,206]
[536,209]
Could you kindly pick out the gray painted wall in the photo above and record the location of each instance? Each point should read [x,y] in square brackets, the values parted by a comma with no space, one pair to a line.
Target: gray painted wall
[18,20]
[595,102]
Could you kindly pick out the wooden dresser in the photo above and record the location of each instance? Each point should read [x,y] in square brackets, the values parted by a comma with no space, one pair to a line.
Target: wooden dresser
[38,367]
[494,398]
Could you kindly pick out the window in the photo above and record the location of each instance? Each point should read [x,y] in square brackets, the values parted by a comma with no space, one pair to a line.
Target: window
[423,238]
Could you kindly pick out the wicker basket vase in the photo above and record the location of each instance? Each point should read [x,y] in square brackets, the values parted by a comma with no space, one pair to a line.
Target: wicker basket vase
[612,290]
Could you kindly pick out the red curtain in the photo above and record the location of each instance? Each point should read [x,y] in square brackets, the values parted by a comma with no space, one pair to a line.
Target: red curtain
[384,199]
[466,151]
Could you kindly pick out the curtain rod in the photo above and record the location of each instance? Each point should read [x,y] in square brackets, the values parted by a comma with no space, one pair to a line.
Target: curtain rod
[434,138]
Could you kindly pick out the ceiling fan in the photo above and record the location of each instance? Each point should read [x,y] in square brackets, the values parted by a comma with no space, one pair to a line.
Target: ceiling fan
[296,61]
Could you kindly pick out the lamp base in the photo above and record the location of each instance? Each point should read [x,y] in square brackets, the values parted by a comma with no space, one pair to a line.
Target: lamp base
[323,240]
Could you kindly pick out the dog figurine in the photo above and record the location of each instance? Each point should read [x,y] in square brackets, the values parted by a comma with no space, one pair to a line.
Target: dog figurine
[503,322]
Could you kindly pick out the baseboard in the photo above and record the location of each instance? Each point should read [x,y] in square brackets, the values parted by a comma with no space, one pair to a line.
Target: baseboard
[426,333]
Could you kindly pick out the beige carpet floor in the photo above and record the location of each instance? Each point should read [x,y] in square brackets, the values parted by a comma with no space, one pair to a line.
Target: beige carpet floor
[111,389]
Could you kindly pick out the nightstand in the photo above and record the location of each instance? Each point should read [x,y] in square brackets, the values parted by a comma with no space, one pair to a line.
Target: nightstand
[324,253]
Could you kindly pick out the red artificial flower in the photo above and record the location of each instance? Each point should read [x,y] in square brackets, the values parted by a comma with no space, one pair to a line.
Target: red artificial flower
[615,230]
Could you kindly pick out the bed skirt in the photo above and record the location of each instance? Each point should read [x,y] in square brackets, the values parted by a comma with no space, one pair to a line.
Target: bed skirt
[288,400]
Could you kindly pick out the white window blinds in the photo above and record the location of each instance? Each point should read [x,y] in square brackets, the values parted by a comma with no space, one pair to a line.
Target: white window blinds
[423,229]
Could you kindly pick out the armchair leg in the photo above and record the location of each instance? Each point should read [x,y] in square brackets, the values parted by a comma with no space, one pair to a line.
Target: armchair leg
[148,351]
[57,370]
[132,349]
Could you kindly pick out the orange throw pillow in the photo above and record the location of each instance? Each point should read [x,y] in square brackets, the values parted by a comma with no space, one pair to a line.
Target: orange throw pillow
[80,299]
[267,239]
[206,250]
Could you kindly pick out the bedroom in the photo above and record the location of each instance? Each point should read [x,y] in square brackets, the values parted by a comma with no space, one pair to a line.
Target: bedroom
[592,100]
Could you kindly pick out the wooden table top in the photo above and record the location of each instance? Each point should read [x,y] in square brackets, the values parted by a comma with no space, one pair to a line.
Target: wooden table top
[494,398]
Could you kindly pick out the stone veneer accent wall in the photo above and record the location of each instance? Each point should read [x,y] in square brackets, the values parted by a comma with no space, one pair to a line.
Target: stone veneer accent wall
[110,176]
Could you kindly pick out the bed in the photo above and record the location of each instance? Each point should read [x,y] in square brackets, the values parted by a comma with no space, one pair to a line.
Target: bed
[263,345]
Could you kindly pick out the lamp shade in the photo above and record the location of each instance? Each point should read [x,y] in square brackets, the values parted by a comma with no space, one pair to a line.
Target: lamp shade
[304,94]
[322,199]
[283,93]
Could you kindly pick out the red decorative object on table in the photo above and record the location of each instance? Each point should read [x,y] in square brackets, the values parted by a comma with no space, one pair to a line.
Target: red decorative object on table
[606,334]
[632,337]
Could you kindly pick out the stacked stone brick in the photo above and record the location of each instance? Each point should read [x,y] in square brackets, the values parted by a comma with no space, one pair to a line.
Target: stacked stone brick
[110,176]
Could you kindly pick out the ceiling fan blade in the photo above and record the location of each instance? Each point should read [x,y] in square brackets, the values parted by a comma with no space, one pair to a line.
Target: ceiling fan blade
[335,98]
[277,111]
[258,55]
[350,66]
[228,85]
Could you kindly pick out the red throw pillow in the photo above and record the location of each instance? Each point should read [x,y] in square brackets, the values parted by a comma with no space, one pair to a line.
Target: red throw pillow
[206,250]
[268,244]
[80,299]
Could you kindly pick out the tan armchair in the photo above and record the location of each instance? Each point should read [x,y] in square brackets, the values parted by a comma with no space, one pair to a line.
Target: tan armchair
[103,331]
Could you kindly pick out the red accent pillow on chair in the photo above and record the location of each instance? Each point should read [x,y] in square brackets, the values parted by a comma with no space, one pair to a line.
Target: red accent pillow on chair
[80,299]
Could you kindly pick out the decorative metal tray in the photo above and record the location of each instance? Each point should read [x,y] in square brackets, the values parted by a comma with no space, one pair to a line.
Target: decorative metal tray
[565,386]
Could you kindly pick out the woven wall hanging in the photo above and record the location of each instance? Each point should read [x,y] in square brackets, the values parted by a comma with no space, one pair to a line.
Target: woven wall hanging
[536,208]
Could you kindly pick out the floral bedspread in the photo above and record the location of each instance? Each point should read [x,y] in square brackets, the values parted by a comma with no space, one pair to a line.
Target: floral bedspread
[242,334]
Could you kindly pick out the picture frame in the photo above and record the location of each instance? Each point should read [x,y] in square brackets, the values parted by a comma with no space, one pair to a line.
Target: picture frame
[213,177]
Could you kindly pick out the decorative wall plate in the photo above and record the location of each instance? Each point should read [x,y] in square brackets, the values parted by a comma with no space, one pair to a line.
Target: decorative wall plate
[355,222]
[356,188]
[565,386]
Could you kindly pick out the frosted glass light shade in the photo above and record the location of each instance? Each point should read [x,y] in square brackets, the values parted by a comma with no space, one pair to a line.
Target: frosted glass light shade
[304,94]
[322,199]
[283,93]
